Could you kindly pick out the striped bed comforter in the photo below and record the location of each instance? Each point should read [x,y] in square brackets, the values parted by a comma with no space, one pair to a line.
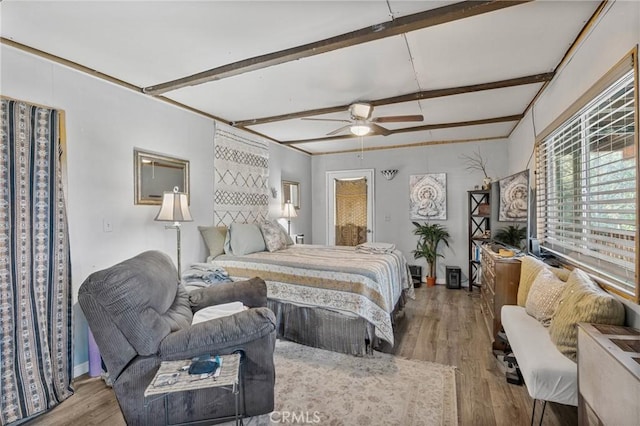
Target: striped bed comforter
[331,277]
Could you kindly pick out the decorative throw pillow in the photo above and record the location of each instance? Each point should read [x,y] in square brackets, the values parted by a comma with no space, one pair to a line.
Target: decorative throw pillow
[285,234]
[214,237]
[529,270]
[544,296]
[582,300]
[561,273]
[244,238]
[273,238]
[530,267]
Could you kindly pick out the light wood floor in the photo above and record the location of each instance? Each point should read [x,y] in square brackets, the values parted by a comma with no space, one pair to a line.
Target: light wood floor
[440,325]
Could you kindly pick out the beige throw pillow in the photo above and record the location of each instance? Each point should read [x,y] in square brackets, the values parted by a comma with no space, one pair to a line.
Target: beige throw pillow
[214,237]
[582,300]
[544,296]
[529,270]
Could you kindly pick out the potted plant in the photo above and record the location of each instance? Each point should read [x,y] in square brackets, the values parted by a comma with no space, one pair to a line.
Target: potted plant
[431,235]
[511,235]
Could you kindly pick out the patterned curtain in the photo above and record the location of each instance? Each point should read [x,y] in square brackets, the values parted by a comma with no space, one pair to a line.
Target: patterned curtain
[35,298]
[351,212]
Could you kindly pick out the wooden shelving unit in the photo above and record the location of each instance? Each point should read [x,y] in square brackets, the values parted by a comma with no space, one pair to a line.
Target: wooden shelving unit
[479,224]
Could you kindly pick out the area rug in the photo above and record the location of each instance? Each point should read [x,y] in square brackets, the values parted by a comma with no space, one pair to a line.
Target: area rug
[314,386]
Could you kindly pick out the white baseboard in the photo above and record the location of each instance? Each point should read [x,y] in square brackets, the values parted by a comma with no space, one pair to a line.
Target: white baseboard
[80,369]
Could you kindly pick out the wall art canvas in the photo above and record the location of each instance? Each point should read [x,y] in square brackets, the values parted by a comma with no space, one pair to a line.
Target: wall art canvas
[428,196]
[514,197]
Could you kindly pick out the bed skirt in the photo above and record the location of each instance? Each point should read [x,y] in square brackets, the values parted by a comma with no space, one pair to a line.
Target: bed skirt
[327,329]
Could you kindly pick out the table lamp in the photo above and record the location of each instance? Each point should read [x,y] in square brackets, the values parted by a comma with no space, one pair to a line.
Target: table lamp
[289,211]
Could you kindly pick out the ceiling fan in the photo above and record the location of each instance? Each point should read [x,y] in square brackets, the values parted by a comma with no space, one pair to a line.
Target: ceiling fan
[361,123]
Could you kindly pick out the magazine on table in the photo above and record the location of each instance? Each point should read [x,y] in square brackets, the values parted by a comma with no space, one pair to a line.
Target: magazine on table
[166,379]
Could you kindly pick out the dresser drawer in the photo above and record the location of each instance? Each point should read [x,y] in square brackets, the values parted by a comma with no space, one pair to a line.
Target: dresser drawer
[500,279]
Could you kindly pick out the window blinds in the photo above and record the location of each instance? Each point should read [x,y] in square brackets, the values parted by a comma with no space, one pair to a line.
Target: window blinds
[586,186]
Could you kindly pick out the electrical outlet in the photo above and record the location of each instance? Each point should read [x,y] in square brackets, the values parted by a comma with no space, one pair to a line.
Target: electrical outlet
[387,218]
[107,226]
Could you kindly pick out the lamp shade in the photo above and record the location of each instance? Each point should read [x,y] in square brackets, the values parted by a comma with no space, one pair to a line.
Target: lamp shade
[289,210]
[175,207]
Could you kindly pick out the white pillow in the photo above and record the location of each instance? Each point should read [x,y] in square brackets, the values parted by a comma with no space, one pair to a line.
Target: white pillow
[544,296]
[244,238]
[218,311]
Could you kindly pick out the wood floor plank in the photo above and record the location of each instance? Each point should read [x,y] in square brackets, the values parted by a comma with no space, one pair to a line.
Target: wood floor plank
[440,325]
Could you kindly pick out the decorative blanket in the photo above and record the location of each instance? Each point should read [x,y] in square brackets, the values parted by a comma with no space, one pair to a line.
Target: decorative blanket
[331,277]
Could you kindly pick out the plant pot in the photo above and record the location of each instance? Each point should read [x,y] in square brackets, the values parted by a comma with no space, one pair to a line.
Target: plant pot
[431,281]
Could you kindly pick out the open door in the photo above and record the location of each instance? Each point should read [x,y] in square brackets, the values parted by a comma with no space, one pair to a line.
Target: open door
[350,207]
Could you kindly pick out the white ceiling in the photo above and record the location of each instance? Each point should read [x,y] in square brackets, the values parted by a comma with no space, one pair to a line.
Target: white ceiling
[146,43]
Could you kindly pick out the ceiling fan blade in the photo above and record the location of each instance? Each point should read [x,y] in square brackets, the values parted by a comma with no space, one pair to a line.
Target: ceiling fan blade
[335,132]
[326,119]
[398,118]
[379,130]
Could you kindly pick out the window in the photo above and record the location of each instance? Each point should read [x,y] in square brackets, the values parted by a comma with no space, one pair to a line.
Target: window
[586,186]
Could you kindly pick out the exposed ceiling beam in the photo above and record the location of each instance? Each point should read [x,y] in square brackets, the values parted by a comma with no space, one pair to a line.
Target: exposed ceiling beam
[413,145]
[494,120]
[427,94]
[401,25]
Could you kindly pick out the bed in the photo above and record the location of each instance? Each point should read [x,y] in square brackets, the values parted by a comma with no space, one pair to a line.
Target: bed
[332,297]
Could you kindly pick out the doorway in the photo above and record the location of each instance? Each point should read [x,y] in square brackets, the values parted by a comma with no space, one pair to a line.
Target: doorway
[350,201]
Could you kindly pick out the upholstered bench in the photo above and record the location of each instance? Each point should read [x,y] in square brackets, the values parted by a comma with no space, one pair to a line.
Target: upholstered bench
[542,329]
[548,374]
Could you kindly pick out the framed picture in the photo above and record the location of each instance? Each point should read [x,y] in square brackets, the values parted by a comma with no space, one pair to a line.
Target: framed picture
[514,197]
[428,196]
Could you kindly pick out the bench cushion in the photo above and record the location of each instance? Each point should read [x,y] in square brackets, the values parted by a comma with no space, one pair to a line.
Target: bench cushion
[548,374]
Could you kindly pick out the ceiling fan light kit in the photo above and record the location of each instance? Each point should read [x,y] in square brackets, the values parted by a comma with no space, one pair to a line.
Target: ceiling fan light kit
[362,124]
[360,129]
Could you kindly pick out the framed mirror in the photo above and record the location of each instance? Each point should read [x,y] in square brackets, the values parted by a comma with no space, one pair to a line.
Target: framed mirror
[156,173]
[291,192]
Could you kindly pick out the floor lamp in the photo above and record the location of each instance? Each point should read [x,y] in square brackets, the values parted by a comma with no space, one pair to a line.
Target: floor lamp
[289,211]
[175,208]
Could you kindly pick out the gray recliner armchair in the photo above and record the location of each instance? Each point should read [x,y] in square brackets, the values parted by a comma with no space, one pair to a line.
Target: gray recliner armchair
[140,316]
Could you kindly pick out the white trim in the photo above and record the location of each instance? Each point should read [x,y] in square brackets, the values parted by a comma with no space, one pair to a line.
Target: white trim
[80,369]
[369,174]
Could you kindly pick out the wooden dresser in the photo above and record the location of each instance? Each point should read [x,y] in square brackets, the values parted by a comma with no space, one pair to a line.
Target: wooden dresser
[608,375]
[500,278]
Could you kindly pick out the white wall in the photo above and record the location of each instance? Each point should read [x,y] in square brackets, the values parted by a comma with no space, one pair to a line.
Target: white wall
[289,164]
[613,37]
[104,123]
[393,223]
